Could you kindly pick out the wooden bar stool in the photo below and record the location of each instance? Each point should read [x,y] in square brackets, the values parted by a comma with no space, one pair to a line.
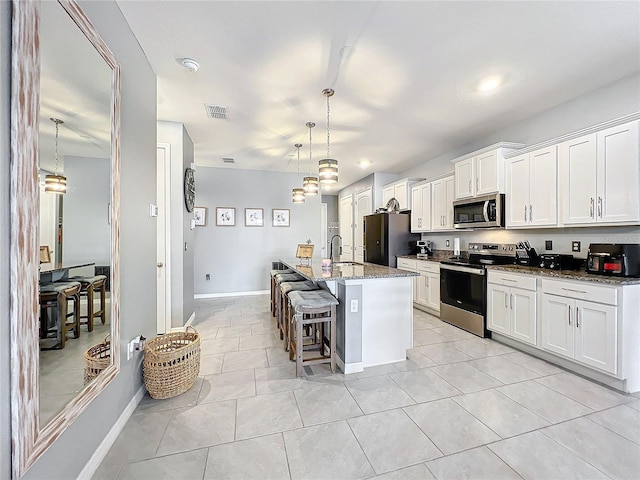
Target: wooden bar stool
[275,272]
[316,308]
[91,285]
[285,305]
[279,278]
[56,296]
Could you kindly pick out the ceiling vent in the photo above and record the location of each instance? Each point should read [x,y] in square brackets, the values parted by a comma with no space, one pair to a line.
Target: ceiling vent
[216,111]
[228,160]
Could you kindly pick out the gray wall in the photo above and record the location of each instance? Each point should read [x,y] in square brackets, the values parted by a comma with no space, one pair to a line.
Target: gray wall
[86,231]
[66,458]
[239,258]
[182,236]
[5,329]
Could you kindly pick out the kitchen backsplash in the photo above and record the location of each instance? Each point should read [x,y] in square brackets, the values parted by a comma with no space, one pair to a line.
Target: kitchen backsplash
[561,238]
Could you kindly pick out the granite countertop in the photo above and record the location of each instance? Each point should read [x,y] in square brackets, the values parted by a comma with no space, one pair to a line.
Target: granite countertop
[579,275]
[315,272]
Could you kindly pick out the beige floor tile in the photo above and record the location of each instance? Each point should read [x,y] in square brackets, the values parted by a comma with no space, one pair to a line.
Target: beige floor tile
[503,370]
[416,472]
[227,386]
[423,385]
[583,391]
[188,465]
[376,394]
[326,403]
[465,377]
[479,463]
[244,360]
[266,414]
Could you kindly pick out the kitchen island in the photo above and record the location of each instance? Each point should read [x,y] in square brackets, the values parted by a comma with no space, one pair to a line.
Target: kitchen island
[375,314]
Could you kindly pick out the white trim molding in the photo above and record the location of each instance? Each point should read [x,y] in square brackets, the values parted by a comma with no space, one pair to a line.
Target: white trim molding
[231,294]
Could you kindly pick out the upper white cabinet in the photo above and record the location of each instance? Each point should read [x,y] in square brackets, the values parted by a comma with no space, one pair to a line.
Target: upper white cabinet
[481,173]
[531,189]
[401,191]
[442,203]
[600,177]
[346,228]
[362,206]
[421,208]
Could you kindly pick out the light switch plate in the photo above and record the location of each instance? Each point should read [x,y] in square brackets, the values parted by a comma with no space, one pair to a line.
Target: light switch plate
[153,210]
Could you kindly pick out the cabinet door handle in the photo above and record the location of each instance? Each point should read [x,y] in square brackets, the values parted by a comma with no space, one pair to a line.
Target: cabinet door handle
[511,301]
[569,310]
[591,207]
[600,207]
[577,317]
[530,213]
[477,184]
[506,305]
[469,185]
[525,213]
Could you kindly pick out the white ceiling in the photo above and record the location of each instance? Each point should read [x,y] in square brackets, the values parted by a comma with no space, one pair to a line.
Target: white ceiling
[405,95]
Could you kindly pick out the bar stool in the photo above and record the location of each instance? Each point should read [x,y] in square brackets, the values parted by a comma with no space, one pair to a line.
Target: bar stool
[91,285]
[279,278]
[275,272]
[285,306]
[317,308]
[56,296]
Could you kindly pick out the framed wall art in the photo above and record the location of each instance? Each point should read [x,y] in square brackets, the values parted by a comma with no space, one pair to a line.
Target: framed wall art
[225,216]
[280,217]
[254,217]
[200,216]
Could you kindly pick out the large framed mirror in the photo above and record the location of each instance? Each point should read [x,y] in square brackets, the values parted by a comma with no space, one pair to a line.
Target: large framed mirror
[65,122]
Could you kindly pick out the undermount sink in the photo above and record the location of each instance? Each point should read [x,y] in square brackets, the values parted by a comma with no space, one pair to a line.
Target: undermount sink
[345,264]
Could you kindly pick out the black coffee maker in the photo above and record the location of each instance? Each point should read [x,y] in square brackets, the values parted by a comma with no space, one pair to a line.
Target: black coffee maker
[615,259]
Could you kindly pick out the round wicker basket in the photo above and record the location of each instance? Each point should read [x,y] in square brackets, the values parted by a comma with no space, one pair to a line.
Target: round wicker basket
[96,359]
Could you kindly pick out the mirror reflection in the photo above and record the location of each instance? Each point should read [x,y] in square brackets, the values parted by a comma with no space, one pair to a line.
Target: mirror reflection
[75,231]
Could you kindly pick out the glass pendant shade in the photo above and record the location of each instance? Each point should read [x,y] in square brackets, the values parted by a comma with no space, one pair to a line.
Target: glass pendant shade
[297,195]
[55,184]
[310,186]
[328,169]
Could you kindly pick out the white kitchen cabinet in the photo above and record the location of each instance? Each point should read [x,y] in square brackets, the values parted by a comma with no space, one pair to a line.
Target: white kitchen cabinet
[481,172]
[600,177]
[421,208]
[442,192]
[410,265]
[511,306]
[428,289]
[401,191]
[363,203]
[582,330]
[531,189]
[346,229]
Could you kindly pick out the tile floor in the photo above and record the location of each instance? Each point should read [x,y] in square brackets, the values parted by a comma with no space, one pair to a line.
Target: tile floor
[459,407]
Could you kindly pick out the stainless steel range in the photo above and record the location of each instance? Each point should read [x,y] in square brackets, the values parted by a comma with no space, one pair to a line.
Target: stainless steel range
[463,285]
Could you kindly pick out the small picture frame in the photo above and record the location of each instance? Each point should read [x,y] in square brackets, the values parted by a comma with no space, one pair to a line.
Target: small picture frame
[225,216]
[200,216]
[254,217]
[45,255]
[280,217]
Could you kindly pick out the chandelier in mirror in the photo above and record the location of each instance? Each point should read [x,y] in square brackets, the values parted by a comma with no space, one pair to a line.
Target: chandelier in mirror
[55,183]
[328,167]
[310,183]
[297,194]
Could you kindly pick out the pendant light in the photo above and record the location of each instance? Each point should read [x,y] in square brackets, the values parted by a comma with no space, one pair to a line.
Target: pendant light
[310,183]
[328,167]
[297,194]
[55,183]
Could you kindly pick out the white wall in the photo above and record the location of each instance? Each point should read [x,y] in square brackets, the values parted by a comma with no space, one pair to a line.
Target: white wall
[182,236]
[69,454]
[86,233]
[239,258]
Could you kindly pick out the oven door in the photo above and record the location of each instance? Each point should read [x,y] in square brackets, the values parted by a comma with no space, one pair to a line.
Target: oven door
[463,287]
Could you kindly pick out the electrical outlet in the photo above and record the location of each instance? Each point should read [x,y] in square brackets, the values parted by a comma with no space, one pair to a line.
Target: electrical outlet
[575,246]
[207,276]
[548,245]
[354,305]
[447,243]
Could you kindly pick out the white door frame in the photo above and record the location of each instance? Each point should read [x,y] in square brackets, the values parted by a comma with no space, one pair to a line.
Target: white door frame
[163,193]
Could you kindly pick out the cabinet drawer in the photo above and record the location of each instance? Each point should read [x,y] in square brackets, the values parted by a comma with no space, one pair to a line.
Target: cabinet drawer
[406,264]
[581,291]
[527,282]
[426,266]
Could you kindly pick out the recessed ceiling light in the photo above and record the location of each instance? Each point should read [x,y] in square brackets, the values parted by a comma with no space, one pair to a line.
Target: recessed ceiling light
[364,163]
[190,64]
[489,84]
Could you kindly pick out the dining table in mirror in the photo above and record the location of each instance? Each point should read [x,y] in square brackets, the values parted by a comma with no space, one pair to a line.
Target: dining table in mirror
[65,170]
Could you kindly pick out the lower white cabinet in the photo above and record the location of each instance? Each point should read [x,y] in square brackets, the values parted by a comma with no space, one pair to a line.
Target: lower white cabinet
[426,287]
[511,306]
[581,330]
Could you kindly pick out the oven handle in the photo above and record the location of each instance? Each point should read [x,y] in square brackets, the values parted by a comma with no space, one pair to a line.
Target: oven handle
[457,268]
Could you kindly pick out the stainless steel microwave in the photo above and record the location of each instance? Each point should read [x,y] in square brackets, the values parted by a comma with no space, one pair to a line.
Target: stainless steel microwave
[486,211]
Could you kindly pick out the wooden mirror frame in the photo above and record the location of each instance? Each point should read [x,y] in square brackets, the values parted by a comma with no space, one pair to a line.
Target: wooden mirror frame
[29,442]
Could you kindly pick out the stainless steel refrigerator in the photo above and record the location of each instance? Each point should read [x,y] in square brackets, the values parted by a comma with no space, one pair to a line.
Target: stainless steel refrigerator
[387,235]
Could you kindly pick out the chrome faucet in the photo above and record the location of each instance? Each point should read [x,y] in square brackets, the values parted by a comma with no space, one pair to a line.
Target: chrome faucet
[331,246]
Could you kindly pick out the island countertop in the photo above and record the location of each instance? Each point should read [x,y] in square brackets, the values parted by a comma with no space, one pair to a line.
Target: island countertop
[316,273]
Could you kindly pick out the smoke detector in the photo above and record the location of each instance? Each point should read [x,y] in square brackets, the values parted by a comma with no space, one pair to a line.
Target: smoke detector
[216,111]
[190,64]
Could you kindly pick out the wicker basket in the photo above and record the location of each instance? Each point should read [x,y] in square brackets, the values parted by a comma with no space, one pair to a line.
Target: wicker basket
[96,359]
[171,363]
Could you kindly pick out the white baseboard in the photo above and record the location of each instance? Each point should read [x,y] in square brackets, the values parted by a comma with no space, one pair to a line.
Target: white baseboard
[98,456]
[351,368]
[231,294]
